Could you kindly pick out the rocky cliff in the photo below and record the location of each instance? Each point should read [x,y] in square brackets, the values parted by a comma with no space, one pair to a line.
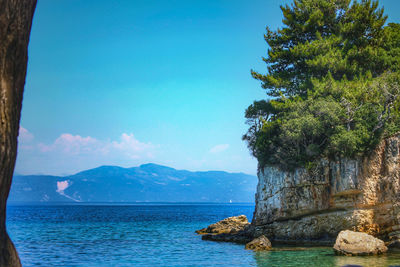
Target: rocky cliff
[313,206]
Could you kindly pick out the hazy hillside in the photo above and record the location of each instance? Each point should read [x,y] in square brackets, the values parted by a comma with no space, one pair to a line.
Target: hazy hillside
[146,183]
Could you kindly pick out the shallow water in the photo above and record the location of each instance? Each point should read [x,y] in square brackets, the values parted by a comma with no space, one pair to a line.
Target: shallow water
[148,235]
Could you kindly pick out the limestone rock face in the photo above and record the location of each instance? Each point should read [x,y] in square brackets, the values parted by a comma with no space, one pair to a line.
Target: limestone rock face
[259,244]
[351,243]
[313,206]
[226,226]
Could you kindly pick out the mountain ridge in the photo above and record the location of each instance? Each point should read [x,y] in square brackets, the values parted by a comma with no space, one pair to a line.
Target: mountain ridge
[145,183]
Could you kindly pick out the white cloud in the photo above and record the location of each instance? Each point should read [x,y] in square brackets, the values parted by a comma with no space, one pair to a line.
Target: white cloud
[132,147]
[24,135]
[71,144]
[70,153]
[219,148]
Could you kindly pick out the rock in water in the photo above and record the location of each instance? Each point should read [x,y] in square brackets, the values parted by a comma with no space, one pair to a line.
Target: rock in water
[394,244]
[229,225]
[351,243]
[259,244]
[233,229]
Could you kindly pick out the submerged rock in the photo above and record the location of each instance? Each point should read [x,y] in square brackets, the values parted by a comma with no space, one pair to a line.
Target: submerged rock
[394,244]
[259,244]
[242,237]
[233,229]
[351,243]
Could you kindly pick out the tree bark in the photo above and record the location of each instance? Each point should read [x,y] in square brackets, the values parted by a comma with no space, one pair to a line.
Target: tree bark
[15,26]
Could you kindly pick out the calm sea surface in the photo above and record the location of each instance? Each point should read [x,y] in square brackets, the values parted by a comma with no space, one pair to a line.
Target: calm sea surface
[148,235]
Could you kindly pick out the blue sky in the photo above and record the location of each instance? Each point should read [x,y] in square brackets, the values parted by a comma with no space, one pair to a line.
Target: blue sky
[130,82]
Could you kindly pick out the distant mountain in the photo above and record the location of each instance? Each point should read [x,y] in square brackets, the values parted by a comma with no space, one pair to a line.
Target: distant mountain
[146,183]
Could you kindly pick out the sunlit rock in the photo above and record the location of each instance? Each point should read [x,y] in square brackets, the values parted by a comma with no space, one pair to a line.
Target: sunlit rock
[351,243]
[259,244]
[314,205]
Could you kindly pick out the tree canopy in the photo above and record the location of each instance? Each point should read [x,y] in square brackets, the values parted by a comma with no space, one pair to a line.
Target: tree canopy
[333,81]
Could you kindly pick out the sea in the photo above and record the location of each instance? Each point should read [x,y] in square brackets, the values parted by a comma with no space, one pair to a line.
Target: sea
[149,234]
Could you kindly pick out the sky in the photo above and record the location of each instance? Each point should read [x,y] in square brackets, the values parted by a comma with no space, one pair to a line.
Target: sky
[131,82]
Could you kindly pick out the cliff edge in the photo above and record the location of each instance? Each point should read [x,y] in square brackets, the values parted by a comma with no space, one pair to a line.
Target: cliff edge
[313,206]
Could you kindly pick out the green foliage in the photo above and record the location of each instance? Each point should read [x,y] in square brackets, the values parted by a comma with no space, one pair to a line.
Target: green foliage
[333,71]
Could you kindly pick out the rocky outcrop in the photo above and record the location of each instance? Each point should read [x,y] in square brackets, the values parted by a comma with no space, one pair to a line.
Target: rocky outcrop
[259,244]
[233,229]
[314,205]
[229,225]
[351,243]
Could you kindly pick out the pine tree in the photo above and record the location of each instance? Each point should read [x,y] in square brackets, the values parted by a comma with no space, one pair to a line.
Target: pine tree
[334,78]
[321,37]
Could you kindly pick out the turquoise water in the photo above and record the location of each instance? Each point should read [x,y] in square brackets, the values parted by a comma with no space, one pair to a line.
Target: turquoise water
[148,235]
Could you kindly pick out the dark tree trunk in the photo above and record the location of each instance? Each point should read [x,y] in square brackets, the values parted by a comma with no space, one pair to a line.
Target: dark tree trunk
[15,26]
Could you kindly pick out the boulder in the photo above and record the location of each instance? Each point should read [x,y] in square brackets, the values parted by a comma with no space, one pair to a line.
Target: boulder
[229,225]
[233,229]
[259,244]
[351,243]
